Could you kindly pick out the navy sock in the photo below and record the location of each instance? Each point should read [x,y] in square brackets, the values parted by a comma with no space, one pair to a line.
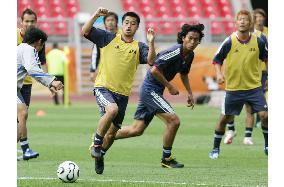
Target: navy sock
[265,135]
[217,139]
[231,125]
[24,144]
[248,132]
[98,140]
[167,151]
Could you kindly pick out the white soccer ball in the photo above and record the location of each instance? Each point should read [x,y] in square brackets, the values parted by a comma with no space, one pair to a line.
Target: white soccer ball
[68,171]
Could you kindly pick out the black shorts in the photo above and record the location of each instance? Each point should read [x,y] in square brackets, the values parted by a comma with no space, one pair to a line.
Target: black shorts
[105,97]
[26,92]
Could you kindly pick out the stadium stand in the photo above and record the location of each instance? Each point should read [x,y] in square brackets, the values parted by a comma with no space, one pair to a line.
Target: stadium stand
[207,9]
[56,9]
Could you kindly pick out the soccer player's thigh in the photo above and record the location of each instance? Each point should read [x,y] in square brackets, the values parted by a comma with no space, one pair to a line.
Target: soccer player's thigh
[234,102]
[104,98]
[257,101]
[122,102]
[21,106]
[158,105]
[143,114]
[26,92]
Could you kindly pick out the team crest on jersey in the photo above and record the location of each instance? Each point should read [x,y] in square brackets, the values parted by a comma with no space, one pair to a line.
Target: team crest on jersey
[132,51]
[116,47]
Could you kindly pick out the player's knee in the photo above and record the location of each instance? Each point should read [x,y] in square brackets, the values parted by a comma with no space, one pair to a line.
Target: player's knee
[110,135]
[23,114]
[263,116]
[113,110]
[175,121]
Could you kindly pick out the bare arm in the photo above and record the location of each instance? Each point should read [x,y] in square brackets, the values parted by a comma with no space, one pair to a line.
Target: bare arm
[185,81]
[89,24]
[160,77]
[151,53]
[219,74]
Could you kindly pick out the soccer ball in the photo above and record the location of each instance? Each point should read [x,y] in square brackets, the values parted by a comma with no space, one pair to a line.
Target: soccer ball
[68,171]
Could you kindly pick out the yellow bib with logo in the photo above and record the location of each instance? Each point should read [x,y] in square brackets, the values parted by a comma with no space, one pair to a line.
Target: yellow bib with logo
[243,67]
[118,64]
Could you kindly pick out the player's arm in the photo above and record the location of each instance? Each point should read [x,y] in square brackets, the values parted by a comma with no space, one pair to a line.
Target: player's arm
[151,53]
[161,78]
[33,68]
[89,24]
[186,84]
[219,58]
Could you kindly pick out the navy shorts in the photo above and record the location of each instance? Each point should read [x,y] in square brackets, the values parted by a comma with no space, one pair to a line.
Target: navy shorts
[264,77]
[150,104]
[26,92]
[20,99]
[235,100]
[105,97]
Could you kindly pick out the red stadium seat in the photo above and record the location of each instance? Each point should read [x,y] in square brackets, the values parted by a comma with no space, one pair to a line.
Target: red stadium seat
[217,28]
[230,27]
[46,27]
[60,28]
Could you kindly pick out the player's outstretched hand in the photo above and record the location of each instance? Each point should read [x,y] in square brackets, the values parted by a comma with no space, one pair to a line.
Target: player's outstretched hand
[150,35]
[173,90]
[220,78]
[190,101]
[53,91]
[57,85]
[101,11]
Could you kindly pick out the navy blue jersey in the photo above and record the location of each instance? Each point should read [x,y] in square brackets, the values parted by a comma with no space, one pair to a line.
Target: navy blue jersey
[169,62]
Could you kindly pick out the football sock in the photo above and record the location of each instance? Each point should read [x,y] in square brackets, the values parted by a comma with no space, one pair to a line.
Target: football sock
[103,151]
[98,140]
[265,135]
[24,144]
[167,151]
[217,139]
[231,126]
[248,132]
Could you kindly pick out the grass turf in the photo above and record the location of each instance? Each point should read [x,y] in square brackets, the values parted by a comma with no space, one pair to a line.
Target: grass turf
[65,134]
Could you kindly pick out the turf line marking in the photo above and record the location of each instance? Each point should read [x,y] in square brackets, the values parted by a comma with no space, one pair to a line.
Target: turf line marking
[110,180]
[131,181]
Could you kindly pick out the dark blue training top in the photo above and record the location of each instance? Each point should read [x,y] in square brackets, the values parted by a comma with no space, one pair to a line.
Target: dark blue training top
[169,62]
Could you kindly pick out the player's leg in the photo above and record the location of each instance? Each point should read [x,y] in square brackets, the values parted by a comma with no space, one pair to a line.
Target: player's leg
[258,103]
[249,125]
[109,110]
[142,118]
[231,132]
[232,106]
[172,124]
[136,129]
[264,78]
[22,116]
[28,153]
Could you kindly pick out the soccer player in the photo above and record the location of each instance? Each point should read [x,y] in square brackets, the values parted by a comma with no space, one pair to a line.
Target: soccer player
[119,59]
[28,20]
[28,64]
[242,51]
[259,17]
[110,23]
[176,59]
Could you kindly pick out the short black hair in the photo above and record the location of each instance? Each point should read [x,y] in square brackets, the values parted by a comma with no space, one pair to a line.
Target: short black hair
[188,28]
[28,11]
[131,14]
[33,35]
[111,14]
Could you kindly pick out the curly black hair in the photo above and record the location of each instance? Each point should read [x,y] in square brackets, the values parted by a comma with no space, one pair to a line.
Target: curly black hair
[33,35]
[188,28]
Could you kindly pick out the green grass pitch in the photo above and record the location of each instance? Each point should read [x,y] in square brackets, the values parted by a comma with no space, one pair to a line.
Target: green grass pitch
[65,134]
